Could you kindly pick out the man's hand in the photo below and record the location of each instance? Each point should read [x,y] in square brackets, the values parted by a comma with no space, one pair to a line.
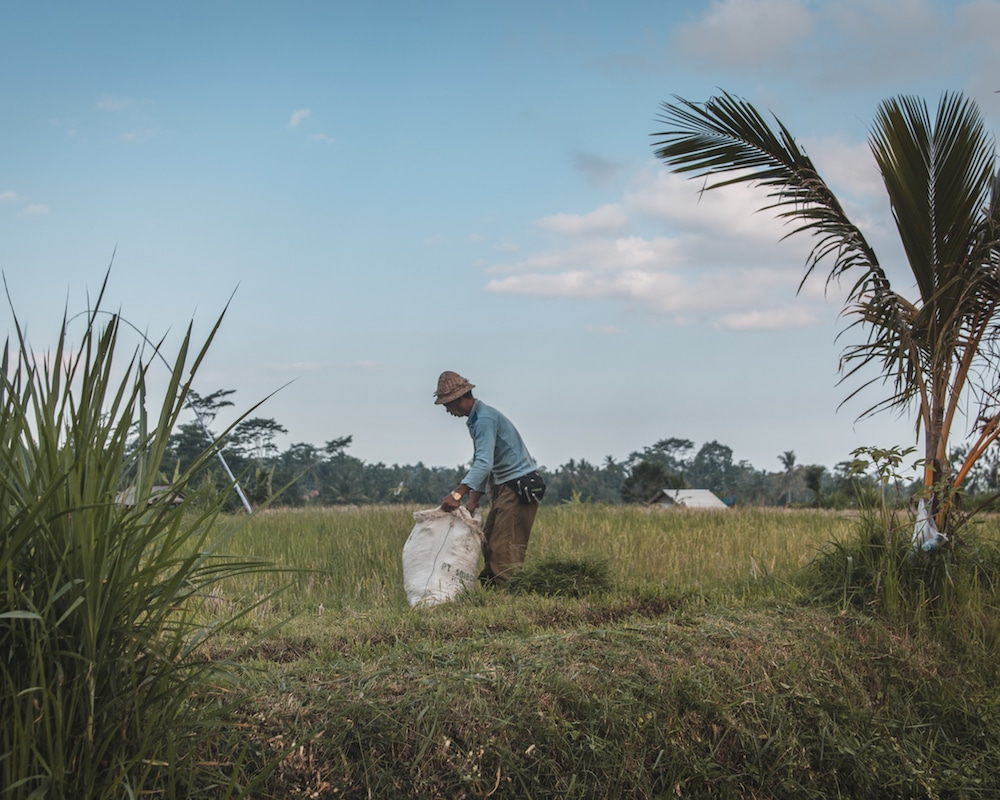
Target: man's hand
[454,499]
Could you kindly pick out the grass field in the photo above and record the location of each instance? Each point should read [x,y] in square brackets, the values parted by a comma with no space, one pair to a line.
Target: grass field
[350,559]
[703,669]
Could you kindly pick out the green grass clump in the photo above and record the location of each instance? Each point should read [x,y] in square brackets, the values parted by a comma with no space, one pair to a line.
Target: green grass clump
[952,594]
[562,577]
[102,691]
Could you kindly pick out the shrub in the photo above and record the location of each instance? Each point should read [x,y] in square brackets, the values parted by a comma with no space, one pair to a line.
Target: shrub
[101,693]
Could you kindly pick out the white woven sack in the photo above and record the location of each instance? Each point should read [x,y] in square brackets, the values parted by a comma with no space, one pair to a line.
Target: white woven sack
[441,555]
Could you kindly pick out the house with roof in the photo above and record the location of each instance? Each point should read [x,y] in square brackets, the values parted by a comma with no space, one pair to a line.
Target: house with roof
[701,499]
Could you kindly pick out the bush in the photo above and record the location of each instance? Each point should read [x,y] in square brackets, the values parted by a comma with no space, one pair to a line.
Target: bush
[101,693]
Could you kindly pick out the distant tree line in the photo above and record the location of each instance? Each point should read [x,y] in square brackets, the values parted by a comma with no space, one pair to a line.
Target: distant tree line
[306,474]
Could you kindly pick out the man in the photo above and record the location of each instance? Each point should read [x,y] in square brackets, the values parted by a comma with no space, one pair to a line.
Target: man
[502,463]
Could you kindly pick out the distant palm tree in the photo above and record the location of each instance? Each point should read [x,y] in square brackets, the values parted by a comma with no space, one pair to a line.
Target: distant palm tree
[937,352]
[787,460]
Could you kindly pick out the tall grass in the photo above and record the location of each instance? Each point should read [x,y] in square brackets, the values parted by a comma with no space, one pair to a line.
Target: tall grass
[686,549]
[101,694]
[332,559]
[350,558]
[952,593]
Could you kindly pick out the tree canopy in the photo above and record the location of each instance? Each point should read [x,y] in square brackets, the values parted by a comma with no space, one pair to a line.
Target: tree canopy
[304,474]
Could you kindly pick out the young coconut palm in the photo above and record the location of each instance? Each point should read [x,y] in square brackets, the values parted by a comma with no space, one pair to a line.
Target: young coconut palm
[937,351]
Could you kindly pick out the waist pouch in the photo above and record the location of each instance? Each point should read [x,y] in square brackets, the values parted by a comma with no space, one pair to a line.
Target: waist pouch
[530,488]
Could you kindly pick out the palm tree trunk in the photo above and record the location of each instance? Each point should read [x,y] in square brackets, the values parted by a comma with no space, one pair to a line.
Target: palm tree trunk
[936,471]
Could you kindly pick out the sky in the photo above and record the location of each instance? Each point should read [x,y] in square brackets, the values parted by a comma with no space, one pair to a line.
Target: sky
[372,193]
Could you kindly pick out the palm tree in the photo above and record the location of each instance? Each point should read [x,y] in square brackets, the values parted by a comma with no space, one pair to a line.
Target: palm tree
[938,351]
[787,460]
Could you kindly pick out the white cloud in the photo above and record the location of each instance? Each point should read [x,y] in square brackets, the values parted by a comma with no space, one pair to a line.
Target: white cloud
[9,196]
[849,167]
[891,25]
[976,23]
[605,330]
[680,203]
[769,319]
[322,138]
[746,32]
[599,255]
[894,43]
[36,210]
[608,219]
[581,284]
[891,43]
[673,293]
[298,117]
[978,20]
[713,254]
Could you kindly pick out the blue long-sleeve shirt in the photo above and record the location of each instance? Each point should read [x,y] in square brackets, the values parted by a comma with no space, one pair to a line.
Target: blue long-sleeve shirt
[498,448]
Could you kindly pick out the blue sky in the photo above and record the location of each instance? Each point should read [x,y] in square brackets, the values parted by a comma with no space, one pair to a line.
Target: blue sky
[394,189]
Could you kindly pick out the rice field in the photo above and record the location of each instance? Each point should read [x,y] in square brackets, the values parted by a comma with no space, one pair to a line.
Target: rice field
[699,673]
[350,558]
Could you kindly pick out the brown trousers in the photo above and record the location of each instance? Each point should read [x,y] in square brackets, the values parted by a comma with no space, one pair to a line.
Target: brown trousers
[505,534]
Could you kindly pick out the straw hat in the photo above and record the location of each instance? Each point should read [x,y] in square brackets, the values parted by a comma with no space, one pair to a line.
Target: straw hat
[451,386]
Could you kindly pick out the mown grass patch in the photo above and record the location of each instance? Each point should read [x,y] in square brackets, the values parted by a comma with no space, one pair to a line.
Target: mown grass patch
[767,702]
[649,654]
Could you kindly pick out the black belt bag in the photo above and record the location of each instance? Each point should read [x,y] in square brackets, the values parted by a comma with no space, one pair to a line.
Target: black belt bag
[530,488]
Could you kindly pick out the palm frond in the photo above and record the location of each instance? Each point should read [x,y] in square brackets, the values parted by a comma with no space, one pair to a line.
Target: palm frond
[728,136]
[939,177]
